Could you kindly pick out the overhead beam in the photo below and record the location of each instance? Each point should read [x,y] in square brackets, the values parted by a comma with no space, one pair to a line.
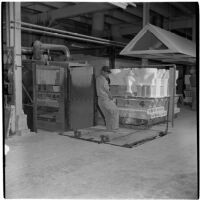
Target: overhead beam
[116,34]
[182,7]
[183,33]
[124,29]
[128,18]
[82,19]
[178,24]
[191,6]
[110,20]
[71,11]
[145,21]
[54,4]
[29,11]
[163,9]
[160,9]
[129,29]
[25,4]
[112,17]
[39,7]
[135,11]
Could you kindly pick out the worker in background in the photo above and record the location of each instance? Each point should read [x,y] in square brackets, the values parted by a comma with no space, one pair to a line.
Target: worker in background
[105,100]
[193,86]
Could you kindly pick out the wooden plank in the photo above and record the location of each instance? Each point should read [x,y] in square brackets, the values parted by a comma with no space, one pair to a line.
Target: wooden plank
[123,137]
[135,138]
[95,133]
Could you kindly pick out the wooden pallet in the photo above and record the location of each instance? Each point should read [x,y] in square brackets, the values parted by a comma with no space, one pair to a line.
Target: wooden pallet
[123,137]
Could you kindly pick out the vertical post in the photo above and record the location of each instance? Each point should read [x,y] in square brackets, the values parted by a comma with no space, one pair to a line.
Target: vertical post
[35,88]
[95,99]
[172,82]
[115,32]
[112,57]
[194,39]
[69,98]
[174,92]
[97,24]
[8,29]
[14,40]
[146,13]
[194,28]
[146,19]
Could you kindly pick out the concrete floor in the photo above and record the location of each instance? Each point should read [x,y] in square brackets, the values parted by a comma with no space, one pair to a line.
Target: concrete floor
[46,165]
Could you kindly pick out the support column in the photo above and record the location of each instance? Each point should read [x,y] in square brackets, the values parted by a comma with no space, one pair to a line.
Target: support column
[146,19]
[194,28]
[112,57]
[97,24]
[172,92]
[14,40]
[115,33]
[8,29]
[194,68]
[146,13]
[97,27]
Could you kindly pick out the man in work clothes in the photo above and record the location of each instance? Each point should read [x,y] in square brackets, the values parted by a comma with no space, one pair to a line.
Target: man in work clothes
[105,100]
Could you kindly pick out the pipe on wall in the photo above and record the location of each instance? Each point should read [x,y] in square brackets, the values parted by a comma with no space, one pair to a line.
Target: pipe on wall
[70,34]
[72,37]
[57,47]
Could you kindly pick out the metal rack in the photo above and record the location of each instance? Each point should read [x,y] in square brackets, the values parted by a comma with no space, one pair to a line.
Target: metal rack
[49,95]
[54,99]
[149,120]
[170,99]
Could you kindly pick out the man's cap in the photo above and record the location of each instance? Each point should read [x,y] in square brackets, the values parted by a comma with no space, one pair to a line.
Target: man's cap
[106,69]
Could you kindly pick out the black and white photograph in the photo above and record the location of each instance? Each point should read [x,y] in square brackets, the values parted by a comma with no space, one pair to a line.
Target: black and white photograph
[100,100]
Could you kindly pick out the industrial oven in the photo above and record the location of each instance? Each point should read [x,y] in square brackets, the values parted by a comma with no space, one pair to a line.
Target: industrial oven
[58,95]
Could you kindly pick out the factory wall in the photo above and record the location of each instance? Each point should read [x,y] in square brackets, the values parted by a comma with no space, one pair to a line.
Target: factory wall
[98,62]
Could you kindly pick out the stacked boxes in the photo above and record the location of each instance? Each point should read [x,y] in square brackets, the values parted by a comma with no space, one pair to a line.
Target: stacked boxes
[141,108]
[141,103]
[118,90]
[141,82]
[142,114]
[147,99]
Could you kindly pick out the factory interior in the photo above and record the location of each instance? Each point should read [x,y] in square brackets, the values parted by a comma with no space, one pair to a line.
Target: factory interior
[100,100]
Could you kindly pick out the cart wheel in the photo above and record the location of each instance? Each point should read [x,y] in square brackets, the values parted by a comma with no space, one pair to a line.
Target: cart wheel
[77,134]
[162,133]
[104,139]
